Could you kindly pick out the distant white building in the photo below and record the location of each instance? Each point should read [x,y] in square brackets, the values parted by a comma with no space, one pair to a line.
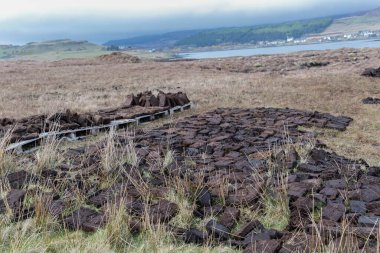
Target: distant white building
[347,36]
[290,39]
[367,33]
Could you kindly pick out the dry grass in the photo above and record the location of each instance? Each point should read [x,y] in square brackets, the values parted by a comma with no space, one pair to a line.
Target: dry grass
[42,234]
[48,156]
[7,162]
[34,87]
[353,24]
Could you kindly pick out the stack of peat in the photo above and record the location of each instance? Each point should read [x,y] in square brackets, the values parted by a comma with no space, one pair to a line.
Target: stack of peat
[221,160]
[371,72]
[370,100]
[143,104]
[147,99]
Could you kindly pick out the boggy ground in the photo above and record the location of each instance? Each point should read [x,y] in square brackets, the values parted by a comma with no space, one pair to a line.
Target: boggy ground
[135,106]
[256,181]
[69,180]
[30,88]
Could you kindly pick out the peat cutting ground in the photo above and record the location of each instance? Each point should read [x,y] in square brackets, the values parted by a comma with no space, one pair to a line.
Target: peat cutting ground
[223,161]
[27,133]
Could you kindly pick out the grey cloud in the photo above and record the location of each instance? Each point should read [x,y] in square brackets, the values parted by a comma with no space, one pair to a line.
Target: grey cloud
[100,28]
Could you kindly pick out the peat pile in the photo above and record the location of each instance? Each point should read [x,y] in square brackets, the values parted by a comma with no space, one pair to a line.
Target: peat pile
[148,99]
[143,104]
[371,72]
[222,161]
[370,100]
[118,57]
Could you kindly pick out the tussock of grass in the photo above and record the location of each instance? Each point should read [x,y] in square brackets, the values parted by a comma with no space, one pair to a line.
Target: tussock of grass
[117,228]
[185,208]
[7,161]
[110,154]
[337,89]
[114,154]
[48,155]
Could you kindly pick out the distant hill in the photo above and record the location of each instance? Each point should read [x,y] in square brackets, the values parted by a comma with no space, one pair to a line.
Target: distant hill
[53,49]
[153,41]
[234,35]
[337,25]
[373,13]
[254,34]
[369,20]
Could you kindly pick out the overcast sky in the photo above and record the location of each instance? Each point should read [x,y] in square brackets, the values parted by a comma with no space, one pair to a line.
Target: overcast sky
[23,21]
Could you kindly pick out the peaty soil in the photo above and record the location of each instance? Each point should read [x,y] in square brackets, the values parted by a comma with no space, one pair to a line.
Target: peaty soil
[227,159]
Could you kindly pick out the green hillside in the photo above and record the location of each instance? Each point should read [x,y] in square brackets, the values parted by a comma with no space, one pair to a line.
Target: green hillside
[153,41]
[241,35]
[54,49]
[354,24]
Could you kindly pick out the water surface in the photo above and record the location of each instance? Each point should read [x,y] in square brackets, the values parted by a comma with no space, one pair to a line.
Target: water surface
[282,49]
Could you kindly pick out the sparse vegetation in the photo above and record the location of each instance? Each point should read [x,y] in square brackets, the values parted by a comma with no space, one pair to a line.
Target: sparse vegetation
[354,24]
[48,156]
[52,50]
[312,89]
[7,163]
[241,35]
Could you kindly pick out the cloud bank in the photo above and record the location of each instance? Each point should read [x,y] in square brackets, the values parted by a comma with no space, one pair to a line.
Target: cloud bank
[22,21]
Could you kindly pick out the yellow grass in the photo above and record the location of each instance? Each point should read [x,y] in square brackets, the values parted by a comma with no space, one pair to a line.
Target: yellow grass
[353,24]
[30,87]
[35,87]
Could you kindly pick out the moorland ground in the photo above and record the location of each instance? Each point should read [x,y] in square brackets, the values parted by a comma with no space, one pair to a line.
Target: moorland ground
[33,87]
[326,81]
